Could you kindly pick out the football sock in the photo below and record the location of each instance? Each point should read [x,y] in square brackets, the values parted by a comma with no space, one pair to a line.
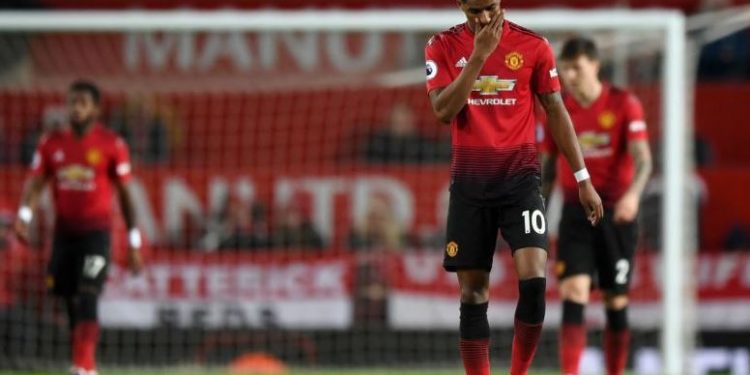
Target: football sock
[528,324]
[572,337]
[86,332]
[475,339]
[616,341]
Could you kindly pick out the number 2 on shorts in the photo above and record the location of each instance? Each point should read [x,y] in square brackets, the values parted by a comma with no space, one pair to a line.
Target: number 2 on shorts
[534,220]
[92,265]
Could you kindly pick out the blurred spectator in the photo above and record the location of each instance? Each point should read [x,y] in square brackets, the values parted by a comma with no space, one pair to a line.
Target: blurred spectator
[703,152]
[379,229]
[54,118]
[238,225]
[737,238]
[400,141]
[15,64]
[726,59]
[143,123]
[294,227]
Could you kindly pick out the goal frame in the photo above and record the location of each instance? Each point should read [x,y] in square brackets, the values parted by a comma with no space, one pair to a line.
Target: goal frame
[678,247]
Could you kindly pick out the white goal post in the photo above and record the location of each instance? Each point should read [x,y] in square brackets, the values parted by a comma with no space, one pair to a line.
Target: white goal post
[677,330]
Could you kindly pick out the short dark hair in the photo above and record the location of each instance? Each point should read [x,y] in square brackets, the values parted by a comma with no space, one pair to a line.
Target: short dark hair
[579,46]
[89,87]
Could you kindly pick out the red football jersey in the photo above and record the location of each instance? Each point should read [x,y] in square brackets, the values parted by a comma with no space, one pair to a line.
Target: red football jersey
[82,171]
[493,137]
[604,130]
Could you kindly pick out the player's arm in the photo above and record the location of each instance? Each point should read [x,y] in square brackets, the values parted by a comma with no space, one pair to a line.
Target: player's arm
[549,172]
[561,129]
[120,176]
[626,209]
[447,102]
[125,198]
[29,201]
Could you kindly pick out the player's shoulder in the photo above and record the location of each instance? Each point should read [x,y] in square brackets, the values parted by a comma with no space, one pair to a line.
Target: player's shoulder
[107,135]
[52,137]
[622,95]
[448,35]
[526,33]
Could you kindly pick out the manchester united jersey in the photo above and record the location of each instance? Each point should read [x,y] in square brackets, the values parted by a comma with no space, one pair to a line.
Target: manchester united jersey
[493,139]
[82,171]
[604,129]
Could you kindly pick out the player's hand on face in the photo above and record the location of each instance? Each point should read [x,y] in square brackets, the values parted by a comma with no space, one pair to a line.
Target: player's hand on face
[626,209]
[487,37]
[22,230]
[135,261]
[591,202]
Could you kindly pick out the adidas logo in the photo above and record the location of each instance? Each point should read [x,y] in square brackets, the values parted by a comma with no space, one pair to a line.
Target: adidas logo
[461,63]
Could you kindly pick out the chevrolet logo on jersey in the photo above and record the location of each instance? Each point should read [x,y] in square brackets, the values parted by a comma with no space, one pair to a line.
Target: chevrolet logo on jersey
[491,85]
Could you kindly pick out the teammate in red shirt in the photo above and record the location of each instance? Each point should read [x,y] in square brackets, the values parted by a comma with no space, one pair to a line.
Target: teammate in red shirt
[85,164]
[482,78]
[612,133]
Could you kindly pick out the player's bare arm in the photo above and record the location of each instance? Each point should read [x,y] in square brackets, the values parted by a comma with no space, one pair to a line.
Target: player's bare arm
[125,199]
[29,200]
[549,172]
[561,129]
[626,209]
[449,101]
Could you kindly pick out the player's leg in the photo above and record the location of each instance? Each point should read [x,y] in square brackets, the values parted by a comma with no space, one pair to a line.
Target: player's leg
[524,227]
[92,275]
[474,328]
[61,278]
[574,267]
[471,237]
[574,293]
[615,261]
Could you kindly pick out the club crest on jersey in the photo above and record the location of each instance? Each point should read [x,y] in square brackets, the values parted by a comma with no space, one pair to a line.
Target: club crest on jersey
[93,156]
[607,119]
[451,249]
[431,69]
[514,60]
[491,85]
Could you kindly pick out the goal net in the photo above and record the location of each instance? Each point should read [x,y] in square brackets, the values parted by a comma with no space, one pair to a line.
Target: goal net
[291,182]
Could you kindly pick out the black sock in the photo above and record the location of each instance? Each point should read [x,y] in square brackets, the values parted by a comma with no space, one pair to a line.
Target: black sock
[474,324]
[572,313]
[531,305]
[617,320]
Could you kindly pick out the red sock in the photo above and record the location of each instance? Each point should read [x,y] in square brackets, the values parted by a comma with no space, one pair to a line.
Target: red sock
[525,340]
[616,346]
[85,338]
[572,344]
[476,356]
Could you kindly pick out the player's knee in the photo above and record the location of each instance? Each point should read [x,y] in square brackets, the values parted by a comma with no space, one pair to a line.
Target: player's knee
[531,305]
[87,309]
[475,294]
[615,301]
[531,262]
[575,289]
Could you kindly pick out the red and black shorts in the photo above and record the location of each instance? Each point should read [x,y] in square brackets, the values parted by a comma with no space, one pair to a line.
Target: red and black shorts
[472,230]
[80,262]
[605,252]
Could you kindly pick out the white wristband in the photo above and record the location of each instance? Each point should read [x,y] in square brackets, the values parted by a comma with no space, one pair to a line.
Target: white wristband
[134,238]
[582,175]
[25,214]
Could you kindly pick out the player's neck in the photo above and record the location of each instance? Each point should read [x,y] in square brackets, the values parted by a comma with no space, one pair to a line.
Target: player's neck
[590,94]
[80,130]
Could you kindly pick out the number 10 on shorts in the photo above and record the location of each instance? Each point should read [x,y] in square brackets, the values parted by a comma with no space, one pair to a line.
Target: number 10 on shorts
[533,220]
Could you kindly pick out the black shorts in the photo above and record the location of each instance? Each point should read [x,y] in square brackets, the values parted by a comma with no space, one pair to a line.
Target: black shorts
[604,252]
[80,262]
[471,235]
